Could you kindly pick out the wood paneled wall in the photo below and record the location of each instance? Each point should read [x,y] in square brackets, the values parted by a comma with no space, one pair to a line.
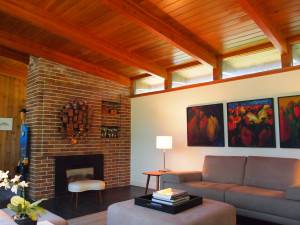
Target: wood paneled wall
[12,99]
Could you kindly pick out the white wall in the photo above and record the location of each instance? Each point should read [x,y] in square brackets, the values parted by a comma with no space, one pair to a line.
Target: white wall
[165,114]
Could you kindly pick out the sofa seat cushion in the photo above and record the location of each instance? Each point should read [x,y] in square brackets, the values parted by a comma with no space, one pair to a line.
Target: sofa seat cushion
[211,190]
[263,200]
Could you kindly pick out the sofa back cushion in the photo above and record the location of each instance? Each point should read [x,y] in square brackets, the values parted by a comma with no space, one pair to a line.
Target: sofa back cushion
[224,169]
[273,173]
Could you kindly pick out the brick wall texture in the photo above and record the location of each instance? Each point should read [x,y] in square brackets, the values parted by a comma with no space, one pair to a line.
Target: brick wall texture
[50,86]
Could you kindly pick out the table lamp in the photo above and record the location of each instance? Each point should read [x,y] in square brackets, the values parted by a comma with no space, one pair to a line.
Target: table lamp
[164,143]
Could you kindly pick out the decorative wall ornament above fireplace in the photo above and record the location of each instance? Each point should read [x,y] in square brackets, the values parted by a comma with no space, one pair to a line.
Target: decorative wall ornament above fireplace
[76,117]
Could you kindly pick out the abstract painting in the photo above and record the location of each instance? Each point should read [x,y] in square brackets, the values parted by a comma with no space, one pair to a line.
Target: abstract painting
[289,121]
[251,123]
[205,125]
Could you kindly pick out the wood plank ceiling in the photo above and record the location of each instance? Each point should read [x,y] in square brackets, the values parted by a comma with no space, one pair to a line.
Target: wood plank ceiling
[121,39]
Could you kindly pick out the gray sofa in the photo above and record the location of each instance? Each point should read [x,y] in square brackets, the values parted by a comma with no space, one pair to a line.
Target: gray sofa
[259,187]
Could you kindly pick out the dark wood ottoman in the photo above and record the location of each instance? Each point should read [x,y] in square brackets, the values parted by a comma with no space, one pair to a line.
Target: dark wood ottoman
[209,213]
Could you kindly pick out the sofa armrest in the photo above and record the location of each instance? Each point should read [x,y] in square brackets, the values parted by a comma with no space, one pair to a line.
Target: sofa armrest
[181,177]
[293,193]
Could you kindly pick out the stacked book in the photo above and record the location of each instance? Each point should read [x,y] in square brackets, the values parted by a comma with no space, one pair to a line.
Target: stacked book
[170,196]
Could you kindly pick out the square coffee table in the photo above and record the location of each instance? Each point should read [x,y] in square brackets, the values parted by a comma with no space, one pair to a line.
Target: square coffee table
[209,213]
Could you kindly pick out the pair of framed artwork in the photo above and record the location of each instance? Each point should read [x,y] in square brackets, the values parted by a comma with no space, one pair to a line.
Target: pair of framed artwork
[250,123]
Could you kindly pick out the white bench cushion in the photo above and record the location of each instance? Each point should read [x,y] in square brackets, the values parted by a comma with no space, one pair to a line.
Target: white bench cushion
[86,185]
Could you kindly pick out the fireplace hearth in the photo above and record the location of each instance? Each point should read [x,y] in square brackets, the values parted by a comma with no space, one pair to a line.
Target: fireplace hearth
[66,164]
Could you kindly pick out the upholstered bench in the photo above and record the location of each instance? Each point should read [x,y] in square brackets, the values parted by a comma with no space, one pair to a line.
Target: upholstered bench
[86,185]
[209,213]
[6,218]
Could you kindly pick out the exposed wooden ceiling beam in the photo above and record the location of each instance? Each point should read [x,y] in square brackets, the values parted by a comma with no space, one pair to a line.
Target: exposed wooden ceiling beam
[29,47]
[248,50]
[169,69]
[265,24]
[159,26]
[183,66]
[290,40]
[168,81]
[11,54]
[132,88]
[287,58]
[78,35]
[294,39]
[226,55]
[140,76]
[217,71]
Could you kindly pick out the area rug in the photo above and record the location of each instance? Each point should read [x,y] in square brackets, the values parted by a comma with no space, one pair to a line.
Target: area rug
[92,219]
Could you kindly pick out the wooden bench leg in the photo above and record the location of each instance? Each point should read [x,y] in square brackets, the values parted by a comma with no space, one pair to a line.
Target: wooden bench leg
[76,200]
[100,196]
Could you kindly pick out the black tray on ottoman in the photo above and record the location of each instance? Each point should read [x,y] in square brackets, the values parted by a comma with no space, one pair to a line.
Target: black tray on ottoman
[145,201]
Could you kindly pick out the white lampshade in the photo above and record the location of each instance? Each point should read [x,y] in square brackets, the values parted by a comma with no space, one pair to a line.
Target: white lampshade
[164,142]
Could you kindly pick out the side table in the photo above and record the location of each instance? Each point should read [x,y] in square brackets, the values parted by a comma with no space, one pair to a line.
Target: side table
[155,174]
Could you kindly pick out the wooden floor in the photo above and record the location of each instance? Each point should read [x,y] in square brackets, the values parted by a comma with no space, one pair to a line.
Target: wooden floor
[90,212]
[88,201]
[92,219]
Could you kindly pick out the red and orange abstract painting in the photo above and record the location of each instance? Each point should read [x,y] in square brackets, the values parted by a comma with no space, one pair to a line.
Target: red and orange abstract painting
[289,121]
[205,125]
[251,123]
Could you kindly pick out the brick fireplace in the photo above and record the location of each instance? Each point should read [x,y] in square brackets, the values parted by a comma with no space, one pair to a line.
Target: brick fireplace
[50,86]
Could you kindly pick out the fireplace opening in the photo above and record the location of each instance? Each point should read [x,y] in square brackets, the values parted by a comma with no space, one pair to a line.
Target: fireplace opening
[80,174]
[74,168]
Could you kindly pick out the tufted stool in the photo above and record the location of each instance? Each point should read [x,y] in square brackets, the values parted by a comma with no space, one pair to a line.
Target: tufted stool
[86,185]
